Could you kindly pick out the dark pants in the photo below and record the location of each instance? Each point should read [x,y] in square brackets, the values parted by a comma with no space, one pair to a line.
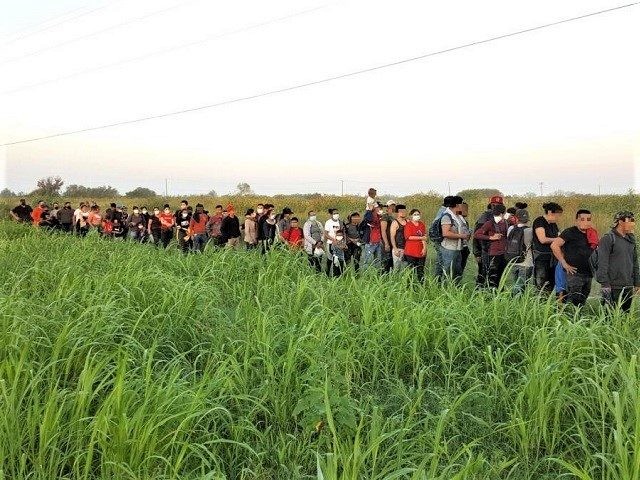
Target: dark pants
[578,288]
[337,270]
[544,267]
[622,297]
[464,258]
[165,237]
[265,245]
[157,236]
[353,253]
[387,260]
[497,264]
[185,245]
[417,263]
[66,227]
[315,263]
[483,266]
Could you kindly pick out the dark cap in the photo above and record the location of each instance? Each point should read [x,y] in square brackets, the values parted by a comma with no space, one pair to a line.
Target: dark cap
[286,210]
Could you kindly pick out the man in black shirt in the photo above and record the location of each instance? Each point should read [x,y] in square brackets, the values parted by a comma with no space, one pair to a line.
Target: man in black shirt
[22,212]
[572,250]
[545,231]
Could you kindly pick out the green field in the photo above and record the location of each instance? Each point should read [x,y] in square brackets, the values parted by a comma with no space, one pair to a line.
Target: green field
[120,361]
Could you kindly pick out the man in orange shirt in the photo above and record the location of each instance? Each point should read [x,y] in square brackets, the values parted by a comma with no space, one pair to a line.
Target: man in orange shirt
[37,212]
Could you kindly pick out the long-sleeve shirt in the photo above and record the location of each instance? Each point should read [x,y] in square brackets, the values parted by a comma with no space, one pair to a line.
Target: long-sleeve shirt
[312,235]
[250,231]
[230,228]
[490,228]
[200,227]
[618,261]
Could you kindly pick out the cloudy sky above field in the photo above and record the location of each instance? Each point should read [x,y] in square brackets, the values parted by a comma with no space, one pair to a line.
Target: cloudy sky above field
[558,105]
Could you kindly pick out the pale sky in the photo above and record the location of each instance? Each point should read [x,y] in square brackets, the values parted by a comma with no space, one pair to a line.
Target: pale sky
[558,105]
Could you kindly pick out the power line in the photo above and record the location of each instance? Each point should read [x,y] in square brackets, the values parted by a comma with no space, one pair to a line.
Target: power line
[166,50]
[324,80]
[61,22]
[93,34]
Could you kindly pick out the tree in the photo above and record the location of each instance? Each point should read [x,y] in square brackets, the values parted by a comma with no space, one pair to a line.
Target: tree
[48,187]
[479,192]
[140,192]
[212,193]
[7,193]
[244,188]
[80,191]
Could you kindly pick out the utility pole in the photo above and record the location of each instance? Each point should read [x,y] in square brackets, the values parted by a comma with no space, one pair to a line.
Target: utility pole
[449,185]
[541,184]
[166,187]
[342,188]
[598,189]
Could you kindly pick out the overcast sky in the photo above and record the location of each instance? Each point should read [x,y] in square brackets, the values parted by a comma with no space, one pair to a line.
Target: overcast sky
[558,106]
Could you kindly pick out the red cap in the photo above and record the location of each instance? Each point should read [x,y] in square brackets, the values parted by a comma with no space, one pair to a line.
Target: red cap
[496,199]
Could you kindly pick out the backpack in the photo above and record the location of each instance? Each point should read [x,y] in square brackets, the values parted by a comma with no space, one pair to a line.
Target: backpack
[516,249]
[435,229]
[593,258]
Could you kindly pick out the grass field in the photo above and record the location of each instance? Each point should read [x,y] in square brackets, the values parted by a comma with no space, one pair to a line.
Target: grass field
[119,361]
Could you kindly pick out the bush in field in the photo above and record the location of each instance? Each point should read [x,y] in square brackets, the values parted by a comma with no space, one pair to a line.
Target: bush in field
[7,193]
[141,192]
[48,187]
[80,191]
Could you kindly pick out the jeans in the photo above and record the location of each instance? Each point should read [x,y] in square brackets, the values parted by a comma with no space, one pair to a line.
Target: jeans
[622,297]
[184,244]
[371,254]
[464,256]
[354,252]
[398,259]
[438,269]
[417,264]
[165,237]
[497,264]
[544,266]
[315,262]
[578,288]
[451,263]
[483,267]
[387,259]
[199,242]
[522,277]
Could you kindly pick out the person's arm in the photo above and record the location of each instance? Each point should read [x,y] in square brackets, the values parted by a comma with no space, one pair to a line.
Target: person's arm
[604,254]
[556,248]
[542,237]
[394,231]
[448,233]
[483,233]
[14,215]
[383,230]
[306,233]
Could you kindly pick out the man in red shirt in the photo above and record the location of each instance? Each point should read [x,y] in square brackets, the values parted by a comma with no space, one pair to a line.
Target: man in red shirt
[167,222]
[294,235]
[494,232]
[37,213]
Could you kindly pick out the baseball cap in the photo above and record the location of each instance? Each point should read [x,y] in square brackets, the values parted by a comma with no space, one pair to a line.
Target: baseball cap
[496,199]
[621,215]
[391,202]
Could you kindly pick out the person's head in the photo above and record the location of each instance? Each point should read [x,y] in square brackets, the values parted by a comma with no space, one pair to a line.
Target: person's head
[523,215]
[230,210]
[136,210]
[287,212]
[56,205]
[463,209]
[521,205]
[498,211]
[23,201]
[379,209]
[339,234]
[272,214]
[95,208]
[354,218]
[294,223]
[113,206]
[552,211]
[260,208]
[496,200]
[166,208]
[401,210]
[199,208]
[333,213]
[415,215]
[156,211]
[372,192]
[318,249]
[391,206]
[144,209]
[84,207]
[184,204]
[218,209]
[584,220]
[67,204]
[624,222]
[448,202]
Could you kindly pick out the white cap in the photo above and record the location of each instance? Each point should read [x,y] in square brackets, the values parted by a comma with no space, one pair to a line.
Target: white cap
[391,202]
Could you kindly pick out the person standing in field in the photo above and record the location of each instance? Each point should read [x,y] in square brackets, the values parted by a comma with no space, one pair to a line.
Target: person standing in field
[167,224]
[214,225]
[83,221]
[182,229]
[154,227]
[338,251]
[198,229]
[354,240]
[65,217]
[136,225]
[250,229]
[268,229]
[294,235]
[545,231]
[396,235]
[372,237]
[37,213]
[53,213]
[22,212]
[312,231]
[331,226]
[230,228]
[415,243]
[385,229]
[481,248]
[95,218]
[494,232]
[452,227]
[618,272]
[284,222]
[573,251]
[463,213]
[519,239]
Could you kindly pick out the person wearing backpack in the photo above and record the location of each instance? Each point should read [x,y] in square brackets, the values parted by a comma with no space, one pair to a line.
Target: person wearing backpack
[372,237]
[435,231]
[572,250]
[494,232]
[519,239]
[453,236]
[617,262]
[481,248]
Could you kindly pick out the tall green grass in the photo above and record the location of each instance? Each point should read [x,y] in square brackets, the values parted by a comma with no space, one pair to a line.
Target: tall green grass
[121,361]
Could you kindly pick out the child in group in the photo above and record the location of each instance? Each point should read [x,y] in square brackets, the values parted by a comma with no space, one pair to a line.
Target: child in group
[371,199]
[338,249]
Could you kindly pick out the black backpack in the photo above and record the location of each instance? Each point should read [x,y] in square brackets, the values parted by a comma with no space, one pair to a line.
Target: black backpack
[516,249]
[435,229]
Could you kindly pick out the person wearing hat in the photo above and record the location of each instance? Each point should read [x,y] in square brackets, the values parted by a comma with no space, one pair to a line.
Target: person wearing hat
[522,271]
[480,247]
[230,228]
[198,229]
[385,229]
[618,271]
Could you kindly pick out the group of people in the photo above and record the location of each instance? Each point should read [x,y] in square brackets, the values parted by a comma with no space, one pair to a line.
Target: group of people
[391,237]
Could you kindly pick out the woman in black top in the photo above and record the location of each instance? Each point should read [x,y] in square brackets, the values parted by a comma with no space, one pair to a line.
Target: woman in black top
[154,227]
[545,230]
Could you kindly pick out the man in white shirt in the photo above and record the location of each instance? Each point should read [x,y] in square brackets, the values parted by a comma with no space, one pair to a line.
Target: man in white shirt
[453,236]
[330,227]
